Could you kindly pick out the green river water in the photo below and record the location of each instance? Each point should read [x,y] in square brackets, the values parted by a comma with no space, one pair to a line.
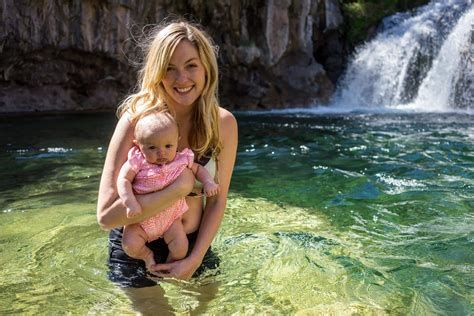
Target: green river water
[328,214]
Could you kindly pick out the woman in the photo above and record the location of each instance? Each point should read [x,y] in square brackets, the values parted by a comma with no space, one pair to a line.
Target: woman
[180,74]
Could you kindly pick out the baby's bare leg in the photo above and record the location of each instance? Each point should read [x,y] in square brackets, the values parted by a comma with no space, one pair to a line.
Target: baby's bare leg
[133,243]
[177,241]
[192,218]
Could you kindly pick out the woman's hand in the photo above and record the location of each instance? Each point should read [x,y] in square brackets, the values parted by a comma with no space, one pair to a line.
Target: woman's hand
[181,269]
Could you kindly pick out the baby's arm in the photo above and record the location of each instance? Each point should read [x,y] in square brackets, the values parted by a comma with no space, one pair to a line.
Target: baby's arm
[201,173]
[125,191]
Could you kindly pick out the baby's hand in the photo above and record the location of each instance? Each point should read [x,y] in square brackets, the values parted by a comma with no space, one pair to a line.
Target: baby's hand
[210,188]
[133,208]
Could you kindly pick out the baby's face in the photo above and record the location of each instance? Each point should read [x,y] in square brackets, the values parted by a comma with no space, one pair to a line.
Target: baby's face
[160,147]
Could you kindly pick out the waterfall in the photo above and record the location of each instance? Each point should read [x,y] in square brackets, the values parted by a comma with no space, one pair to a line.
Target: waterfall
[422,60]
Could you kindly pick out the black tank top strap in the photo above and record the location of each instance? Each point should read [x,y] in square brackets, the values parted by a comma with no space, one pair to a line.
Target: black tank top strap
[204,159]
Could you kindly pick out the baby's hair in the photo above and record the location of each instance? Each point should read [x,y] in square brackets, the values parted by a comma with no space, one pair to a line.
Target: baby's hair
[153,122]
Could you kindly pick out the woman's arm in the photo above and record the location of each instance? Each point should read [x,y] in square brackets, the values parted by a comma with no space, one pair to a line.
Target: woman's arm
[111,212]
[215,206]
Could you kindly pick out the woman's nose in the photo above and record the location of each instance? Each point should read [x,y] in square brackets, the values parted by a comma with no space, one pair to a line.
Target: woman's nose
[181,76]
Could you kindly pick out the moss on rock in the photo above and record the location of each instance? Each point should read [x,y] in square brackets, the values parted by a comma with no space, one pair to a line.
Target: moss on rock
[362,16]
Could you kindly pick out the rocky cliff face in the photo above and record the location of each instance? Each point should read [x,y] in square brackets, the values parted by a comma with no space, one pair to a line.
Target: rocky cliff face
[76,55]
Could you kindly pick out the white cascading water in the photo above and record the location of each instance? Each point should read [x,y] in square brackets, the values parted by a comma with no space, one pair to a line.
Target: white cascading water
[449,83]
[421,61]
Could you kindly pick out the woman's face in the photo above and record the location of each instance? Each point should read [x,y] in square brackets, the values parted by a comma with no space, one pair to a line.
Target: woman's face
[185,76]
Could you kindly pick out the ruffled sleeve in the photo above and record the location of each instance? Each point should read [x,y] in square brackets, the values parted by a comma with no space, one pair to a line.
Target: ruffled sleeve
[135,158]
[188,155]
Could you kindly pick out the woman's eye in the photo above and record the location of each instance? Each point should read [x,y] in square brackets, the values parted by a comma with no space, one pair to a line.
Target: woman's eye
[151,147]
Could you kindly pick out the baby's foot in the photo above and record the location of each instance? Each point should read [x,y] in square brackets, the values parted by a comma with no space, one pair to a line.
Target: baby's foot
[170,258]
[149,261]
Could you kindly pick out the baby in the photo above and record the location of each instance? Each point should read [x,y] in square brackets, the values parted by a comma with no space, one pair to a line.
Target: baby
[153,163]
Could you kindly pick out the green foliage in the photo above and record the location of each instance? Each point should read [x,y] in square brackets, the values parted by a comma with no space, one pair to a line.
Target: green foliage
[362,16]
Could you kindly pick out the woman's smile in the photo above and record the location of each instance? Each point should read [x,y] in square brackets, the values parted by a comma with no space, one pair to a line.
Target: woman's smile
[184,90]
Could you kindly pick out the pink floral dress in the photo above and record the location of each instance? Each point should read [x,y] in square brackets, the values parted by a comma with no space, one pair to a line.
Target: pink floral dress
[151,178]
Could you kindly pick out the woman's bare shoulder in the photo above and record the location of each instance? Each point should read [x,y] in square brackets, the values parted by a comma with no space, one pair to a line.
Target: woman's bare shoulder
[227,121]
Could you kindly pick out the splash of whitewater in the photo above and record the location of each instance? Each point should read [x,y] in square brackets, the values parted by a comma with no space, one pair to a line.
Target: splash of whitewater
[422,60]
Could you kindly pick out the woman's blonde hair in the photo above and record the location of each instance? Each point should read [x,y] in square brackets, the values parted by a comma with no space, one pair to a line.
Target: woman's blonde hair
[151,95]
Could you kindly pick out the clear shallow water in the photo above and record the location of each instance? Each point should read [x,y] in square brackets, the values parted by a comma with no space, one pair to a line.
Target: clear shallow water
[330,213]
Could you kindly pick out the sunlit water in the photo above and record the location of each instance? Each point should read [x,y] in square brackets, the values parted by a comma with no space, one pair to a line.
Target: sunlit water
[328,213]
